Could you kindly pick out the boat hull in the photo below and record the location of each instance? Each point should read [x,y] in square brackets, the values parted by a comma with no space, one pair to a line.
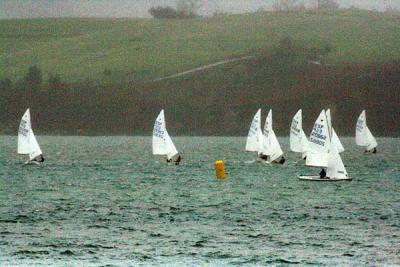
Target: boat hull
[317,178]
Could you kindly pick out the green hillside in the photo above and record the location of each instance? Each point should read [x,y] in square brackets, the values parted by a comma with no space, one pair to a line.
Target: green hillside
[343,60]
[140,49]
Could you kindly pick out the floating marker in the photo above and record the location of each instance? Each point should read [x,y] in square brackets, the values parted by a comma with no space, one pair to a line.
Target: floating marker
[219,169]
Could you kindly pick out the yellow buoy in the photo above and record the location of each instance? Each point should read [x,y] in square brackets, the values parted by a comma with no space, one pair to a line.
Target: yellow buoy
[219,169]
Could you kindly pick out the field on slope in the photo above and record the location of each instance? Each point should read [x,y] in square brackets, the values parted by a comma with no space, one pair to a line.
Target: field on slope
[120,50]
[346,61]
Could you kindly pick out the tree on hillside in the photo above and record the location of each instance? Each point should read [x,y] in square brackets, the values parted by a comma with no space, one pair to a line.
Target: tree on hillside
[160,12]
[184,9]
[34,76]
[327,4]
[187,8]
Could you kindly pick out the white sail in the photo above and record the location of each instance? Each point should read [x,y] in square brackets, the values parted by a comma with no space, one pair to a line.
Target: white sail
[276,148]
[319,143]
[332,133]
[23,133]
[336,141]
[329,121]
[170,147]
[162,143]
[364,136]
[371,140]
[361,134]
[335,169]
[159,134]
[270,146]
[298,139]
[254,137]
[304,144]
[34,148]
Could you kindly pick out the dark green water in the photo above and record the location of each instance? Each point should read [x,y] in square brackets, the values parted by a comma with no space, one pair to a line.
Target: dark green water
[107,200]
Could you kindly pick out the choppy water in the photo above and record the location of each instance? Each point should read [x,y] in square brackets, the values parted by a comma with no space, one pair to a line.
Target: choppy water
[107,200]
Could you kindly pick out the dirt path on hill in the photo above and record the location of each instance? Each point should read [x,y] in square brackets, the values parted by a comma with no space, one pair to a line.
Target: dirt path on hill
[202,68]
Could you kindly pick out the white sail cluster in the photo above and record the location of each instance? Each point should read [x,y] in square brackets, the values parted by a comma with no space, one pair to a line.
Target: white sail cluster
[27,143]
[364,136]
[264,142]
[162,142]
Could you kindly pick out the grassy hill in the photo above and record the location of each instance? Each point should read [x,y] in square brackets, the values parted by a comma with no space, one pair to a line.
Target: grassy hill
[105,66]
[137,49]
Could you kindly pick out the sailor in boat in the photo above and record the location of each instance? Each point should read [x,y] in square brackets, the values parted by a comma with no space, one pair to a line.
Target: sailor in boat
[373,151]
[177,160]
[322,174]
[266,158]
[38,160]
[263,157]
[279,160]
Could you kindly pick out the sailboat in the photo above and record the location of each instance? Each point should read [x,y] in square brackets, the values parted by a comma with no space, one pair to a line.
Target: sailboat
[323,153]
[255,136]
[334,137]
[162,142]
[364,136]
[298,139]
[27,143]
[270,146]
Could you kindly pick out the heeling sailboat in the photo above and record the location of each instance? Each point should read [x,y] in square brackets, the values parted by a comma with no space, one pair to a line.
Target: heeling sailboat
[270,146]
[364,136]
[323,153]
[334,137]
[298,139]
[162,143]
[27,143]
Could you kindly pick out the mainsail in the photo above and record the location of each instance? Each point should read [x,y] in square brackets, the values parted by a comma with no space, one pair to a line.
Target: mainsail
[334,137]
[364,136]
[161,142]
[298,139]
[24,133]
[254,137]
[270,146]
[319,143]
[27,143]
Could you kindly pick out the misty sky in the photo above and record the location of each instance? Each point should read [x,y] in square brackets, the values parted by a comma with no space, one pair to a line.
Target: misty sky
[139,8]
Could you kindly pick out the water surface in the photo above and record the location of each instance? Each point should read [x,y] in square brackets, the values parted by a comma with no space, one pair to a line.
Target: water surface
[107,200]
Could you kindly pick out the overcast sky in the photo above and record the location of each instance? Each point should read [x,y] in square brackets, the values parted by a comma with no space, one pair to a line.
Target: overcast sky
[139,8]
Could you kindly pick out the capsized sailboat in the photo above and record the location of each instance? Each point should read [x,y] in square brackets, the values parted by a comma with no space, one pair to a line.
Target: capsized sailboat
[270,146]
[162,143]
[324,154]
[364,136]
[298,139]
[27,143]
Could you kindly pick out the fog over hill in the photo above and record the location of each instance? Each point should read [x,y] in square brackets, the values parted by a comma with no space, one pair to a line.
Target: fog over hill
[139,8]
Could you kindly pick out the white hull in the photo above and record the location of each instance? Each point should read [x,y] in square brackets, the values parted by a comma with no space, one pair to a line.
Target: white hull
[317,178]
